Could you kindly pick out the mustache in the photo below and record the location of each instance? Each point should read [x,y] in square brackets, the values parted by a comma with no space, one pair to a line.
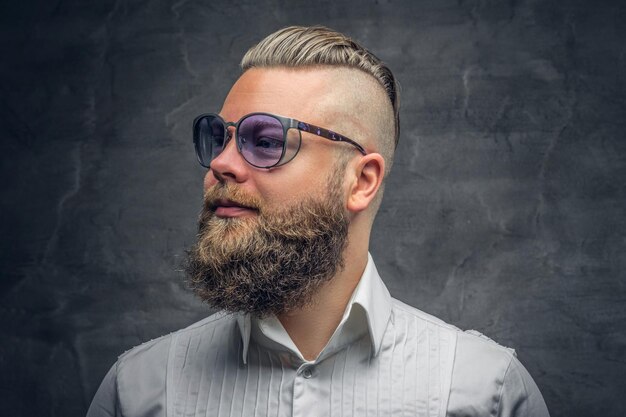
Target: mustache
[216,195]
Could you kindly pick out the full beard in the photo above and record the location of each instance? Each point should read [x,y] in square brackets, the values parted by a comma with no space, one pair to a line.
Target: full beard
[271,263]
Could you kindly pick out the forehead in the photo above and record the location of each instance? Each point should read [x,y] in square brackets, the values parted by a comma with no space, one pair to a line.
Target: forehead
[299,93]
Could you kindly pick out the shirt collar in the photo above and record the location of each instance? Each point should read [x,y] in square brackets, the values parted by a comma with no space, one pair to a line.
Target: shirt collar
[370,294]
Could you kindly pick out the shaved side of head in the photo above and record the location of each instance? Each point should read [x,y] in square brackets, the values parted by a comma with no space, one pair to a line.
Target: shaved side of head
[360,109]
[365,75]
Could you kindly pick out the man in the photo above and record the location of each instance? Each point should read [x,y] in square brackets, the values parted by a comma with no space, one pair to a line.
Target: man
[296,160]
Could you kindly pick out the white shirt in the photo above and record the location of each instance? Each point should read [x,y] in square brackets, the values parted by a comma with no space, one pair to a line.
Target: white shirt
[384,359]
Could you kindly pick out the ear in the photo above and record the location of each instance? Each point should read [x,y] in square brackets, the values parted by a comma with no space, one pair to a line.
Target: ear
[368,176]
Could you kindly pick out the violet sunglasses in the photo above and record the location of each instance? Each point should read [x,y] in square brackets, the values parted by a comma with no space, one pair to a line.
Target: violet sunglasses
[264,140]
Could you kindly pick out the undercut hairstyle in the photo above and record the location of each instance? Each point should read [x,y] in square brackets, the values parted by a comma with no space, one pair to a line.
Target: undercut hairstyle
[299,46]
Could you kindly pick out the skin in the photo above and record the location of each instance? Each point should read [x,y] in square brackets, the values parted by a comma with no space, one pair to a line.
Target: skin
[330,97]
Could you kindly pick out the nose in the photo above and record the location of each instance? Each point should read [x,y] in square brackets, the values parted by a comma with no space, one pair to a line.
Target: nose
[229,165]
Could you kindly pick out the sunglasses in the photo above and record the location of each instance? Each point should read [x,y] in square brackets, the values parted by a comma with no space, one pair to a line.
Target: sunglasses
[264,140]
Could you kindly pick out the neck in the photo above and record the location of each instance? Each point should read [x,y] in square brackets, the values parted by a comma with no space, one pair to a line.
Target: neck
[311,327]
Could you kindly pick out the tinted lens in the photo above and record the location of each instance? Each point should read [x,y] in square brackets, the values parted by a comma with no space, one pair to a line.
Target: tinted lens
[209,138]
[261,140]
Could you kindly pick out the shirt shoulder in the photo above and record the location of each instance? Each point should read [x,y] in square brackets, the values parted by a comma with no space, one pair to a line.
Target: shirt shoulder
[470,342]
[489,380]
[401,309]
[135,384]
[156,350]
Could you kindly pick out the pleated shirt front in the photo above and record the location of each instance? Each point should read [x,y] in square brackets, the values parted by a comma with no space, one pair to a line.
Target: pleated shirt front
[384,359]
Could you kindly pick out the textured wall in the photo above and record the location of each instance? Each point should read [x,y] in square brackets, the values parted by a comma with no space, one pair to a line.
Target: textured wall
[504,212]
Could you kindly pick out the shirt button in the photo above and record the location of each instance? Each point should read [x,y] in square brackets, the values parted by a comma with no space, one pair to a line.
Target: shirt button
[307,373]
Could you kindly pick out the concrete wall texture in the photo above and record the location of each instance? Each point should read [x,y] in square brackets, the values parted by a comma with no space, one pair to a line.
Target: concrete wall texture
[505,211]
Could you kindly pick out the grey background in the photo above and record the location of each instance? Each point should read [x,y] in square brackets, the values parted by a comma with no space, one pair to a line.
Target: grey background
[504,212]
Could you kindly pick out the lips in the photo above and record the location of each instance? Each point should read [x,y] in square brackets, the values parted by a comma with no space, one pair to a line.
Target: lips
[229,203]
[229,208]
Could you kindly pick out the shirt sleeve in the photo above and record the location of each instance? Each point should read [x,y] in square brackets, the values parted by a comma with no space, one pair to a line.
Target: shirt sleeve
[104,403]
[520,396]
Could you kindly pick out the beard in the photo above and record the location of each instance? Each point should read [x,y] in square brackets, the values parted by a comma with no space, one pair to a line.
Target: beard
[271,263]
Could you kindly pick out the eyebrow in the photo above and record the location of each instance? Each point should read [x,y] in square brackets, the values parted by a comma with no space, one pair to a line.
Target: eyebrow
[264,123]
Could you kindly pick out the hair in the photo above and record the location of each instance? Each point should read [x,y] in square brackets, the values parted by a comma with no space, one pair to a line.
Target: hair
[299,46]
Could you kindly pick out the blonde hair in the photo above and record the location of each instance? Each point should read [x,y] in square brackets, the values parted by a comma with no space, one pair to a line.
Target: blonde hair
[299,46]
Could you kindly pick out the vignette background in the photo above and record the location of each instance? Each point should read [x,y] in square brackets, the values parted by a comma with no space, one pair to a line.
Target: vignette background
[504,211]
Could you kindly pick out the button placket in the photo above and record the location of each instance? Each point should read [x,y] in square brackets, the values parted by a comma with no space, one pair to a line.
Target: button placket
[306,370]
[305,387]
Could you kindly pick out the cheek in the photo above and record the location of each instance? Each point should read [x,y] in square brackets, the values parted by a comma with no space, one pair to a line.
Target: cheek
[209,180]
[285,193]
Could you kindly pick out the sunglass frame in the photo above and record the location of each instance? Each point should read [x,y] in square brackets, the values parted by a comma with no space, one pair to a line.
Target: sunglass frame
[286,122]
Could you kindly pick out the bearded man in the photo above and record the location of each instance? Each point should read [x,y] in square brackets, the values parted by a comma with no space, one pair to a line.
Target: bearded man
[296,159]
